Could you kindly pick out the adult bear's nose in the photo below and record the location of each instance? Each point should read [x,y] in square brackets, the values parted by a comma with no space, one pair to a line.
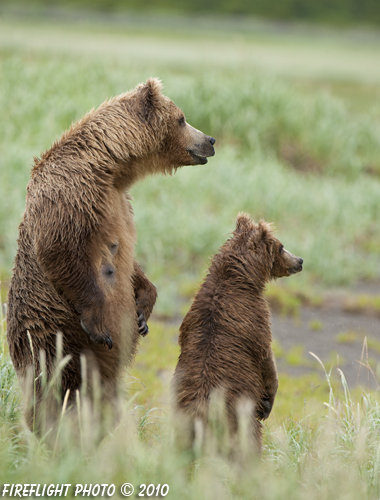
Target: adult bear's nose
[212,140]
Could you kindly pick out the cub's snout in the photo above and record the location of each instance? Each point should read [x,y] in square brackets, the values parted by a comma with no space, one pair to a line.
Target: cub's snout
[294,263]
[284,262]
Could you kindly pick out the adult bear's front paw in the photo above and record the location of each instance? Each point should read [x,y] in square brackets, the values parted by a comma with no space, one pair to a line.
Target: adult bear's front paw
[141,322]
[96,332]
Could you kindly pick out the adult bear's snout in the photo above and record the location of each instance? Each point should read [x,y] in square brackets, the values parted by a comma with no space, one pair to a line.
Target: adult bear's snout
[212,141]
[201,146]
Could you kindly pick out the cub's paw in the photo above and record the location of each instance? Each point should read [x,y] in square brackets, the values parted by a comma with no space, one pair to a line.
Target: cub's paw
[98,335]
[141,323]
[264,409]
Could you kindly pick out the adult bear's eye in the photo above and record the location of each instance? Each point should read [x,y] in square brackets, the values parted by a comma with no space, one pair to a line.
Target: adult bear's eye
[181,121]
[281,248]
[113,248]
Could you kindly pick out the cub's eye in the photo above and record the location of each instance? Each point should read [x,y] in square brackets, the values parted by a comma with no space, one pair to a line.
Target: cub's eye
[181,121]
[281,249]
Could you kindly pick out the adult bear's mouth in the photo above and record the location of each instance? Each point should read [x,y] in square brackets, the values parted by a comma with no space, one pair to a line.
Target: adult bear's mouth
[297,268]
[201,160]
[199,145]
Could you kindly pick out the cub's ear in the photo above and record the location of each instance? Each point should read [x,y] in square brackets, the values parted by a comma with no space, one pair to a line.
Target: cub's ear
[244,223]
[150,96]
[266,228]
[263,232]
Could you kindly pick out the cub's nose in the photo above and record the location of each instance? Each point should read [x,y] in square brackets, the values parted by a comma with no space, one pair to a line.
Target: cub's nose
[212,140]
[300,260]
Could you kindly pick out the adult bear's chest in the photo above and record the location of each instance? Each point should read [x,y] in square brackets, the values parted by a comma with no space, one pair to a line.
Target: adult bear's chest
[113,251]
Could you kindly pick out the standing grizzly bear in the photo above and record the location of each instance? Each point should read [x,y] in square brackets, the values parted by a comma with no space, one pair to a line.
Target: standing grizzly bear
[74,270]
[225,338]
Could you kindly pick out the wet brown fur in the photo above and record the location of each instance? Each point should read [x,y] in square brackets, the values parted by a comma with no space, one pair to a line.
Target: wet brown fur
[75,264]
[225,338]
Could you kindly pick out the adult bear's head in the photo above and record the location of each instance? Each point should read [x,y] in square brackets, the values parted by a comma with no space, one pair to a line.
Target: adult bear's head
[175,142]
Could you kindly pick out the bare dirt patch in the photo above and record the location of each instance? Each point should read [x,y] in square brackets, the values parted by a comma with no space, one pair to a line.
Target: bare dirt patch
[341,335]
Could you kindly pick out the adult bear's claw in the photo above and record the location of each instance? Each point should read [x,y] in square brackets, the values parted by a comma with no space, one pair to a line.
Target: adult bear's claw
[143,327]
[108,340]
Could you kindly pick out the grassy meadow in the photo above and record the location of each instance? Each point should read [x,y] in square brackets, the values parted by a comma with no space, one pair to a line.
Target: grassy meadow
[296,116]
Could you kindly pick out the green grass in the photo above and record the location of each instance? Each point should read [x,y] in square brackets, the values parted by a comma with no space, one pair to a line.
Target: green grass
[297,127]
[154,366]
[283,300]
[363,304]
[347,337]
[368,343]
[316,325]
[296,356]
[319,438]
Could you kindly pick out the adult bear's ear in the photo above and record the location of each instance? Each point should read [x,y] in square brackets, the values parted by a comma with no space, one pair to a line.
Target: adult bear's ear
[150,97]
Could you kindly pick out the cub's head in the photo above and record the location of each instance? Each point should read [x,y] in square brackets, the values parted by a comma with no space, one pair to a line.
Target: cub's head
[263,250]
[178,143]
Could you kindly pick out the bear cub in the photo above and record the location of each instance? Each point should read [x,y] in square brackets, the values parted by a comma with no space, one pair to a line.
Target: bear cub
[225,338]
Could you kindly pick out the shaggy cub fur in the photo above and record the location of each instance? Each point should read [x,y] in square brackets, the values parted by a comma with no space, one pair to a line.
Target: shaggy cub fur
[225,338]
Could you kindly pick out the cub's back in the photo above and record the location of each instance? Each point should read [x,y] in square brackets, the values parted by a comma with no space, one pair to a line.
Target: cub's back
[223,339]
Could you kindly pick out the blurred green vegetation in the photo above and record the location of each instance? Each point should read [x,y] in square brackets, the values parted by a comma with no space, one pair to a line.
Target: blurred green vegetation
[333,11]
[287,150]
